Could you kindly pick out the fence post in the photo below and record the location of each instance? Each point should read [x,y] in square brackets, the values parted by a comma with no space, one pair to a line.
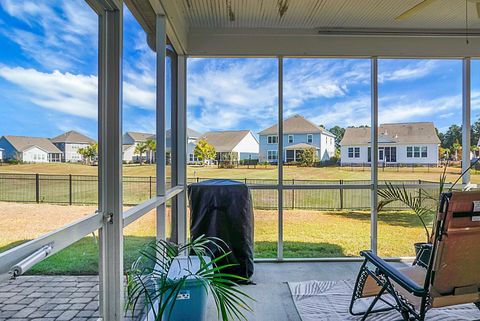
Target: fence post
[341,195]
[245,181]
[70,189]
[293,194]
[420,192]
[197,180]
[37,188]
[150,187]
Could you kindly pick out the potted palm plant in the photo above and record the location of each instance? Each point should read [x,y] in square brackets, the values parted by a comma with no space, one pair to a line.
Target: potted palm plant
[158,280]
[416,201]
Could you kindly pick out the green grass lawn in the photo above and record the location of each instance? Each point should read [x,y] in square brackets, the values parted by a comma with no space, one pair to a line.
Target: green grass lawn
[260,172]
[315,230]
[307,234]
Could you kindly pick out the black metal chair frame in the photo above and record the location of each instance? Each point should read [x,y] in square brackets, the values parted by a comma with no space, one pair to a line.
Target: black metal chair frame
[385,276]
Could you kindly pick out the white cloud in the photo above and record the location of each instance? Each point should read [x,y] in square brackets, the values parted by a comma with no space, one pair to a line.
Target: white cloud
[414,70]
[227,93]
[58,35]
[224,93]
[394,109]
[69,93]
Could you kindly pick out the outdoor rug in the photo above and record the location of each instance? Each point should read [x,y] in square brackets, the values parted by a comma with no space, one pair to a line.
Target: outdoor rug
[329,301]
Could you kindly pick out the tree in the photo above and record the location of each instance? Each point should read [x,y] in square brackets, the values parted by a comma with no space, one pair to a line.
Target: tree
[453,134]
[338,132]
[474,149]
[456,148]
[140,149]
[204,151]
[88,152]
[308,157]
[151,147]
[443,153]
[475,133]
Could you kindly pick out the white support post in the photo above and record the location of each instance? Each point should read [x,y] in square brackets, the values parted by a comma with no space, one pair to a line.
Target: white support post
[110,164]
[182,138]
[374,155]
[160,133]
[466,111]
[280,160]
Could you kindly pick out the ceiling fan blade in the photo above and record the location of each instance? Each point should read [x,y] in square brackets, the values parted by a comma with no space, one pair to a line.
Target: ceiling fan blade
[414,10]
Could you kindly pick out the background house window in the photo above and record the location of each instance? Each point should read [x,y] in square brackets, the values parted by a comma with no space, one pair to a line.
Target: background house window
[309,138]
[416,151]
[354,152]
[391,154]
[409,151]
[424,151]
[350,152]
[290,139]
[272,155]
[273,139]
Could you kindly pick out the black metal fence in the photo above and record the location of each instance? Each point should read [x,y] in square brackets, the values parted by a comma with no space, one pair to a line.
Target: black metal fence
[83,189]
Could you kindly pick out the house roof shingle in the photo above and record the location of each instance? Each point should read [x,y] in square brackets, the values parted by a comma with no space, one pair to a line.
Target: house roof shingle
[399,133]
[140,137]
[21,143]
[72,137]
[224,141]
[296,124]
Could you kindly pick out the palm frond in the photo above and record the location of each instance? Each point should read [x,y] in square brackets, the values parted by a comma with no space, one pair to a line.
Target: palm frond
[394,193]
[153,285]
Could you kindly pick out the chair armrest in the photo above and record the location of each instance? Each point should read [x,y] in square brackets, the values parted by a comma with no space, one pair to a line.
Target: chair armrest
[394,274]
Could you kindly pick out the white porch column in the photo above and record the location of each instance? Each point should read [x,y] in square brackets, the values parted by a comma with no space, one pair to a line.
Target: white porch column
[110,161]
[466,110]
[160,42]
[181,147]
[374,155]
[280,158]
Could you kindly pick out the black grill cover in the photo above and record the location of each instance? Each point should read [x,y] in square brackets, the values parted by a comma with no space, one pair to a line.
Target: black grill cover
[223,208]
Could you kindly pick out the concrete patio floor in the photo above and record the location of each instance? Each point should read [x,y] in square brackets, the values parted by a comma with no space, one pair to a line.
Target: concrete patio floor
[52,298]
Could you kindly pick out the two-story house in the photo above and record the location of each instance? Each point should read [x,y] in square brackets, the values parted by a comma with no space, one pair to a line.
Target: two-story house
[69,143]
[299,134]
[399,143]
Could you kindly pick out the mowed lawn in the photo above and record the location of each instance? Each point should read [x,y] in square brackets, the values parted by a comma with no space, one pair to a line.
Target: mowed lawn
[260,172]
[306,234]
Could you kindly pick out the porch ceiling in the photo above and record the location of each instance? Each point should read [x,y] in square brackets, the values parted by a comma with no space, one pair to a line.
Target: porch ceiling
[319,27]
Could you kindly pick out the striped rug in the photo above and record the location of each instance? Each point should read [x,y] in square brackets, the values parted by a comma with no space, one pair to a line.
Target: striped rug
[329,301]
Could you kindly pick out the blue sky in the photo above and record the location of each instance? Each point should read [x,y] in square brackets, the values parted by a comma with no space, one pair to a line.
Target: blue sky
[48,81]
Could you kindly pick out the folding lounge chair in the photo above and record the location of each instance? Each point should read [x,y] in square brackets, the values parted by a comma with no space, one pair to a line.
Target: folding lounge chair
[451,276]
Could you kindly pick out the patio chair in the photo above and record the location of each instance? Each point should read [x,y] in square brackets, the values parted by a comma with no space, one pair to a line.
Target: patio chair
[451,277]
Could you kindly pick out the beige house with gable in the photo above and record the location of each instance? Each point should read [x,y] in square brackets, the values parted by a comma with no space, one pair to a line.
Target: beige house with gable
[29,149]
[398,143]
[235,145]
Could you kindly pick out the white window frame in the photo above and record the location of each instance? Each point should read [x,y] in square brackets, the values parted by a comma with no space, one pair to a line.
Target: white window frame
[292,140]
[269,157]
[272,139]
[422,150]
[356,152]
[310,138]
[410,150]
